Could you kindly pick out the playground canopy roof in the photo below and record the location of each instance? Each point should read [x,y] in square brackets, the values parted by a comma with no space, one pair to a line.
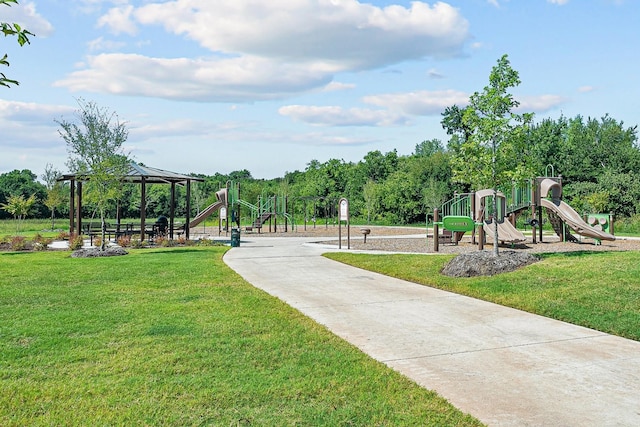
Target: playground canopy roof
[137,174]
[140,173]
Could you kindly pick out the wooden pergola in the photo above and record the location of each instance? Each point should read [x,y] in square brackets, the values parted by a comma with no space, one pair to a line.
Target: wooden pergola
[137,174]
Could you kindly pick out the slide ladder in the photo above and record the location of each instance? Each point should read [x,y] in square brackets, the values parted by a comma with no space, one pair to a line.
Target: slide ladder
[558,226]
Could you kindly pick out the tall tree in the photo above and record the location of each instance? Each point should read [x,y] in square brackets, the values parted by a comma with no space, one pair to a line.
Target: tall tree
[96,154]
[492,153]
[9,29]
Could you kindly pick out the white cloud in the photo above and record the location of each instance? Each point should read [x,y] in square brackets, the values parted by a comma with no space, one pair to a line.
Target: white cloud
[118,20]
[269,49]
[540,103]
[338,116]
[26,16]
[336,86]
[347,33]
[421,103]
[558,2]
[100,44]
[241,79]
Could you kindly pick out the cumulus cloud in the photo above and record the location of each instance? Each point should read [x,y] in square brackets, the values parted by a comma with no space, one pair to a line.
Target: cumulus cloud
[347,33]
[27,112]
[338,116]
[25,15]
[118,20]
[240,79]
[539,104]
[558,2]
[420,103]
[298,45]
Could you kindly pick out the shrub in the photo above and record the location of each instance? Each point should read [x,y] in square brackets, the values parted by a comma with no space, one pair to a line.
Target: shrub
[18,243]
[64,235]
[76,242]
[124,241]
[41,243]
[97,242]
[137,243]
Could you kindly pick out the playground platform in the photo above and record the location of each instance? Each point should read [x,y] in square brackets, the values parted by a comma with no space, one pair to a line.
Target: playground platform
[503,366]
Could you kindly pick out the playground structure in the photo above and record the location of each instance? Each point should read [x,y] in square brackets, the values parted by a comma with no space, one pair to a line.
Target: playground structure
[268,208]
[471,212]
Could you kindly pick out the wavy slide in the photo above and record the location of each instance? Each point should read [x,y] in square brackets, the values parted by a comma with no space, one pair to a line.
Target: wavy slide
[574,220]
[221,195]
[506,232]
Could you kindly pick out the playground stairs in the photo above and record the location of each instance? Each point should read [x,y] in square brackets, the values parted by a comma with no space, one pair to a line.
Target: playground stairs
[559,228]
[259,221]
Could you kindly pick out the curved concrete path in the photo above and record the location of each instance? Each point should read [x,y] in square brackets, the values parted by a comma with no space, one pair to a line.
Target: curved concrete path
[504,366]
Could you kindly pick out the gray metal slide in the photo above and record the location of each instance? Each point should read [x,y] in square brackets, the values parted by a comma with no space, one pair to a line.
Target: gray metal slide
[574,220]
[506,232]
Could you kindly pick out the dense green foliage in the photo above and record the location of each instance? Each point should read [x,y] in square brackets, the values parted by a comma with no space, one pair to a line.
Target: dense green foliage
[174,337]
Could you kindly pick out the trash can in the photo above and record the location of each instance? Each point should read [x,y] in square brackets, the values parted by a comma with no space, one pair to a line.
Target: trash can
[235,237]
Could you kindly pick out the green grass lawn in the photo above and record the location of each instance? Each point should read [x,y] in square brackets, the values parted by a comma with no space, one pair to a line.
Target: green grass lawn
[174,337]
[599,290]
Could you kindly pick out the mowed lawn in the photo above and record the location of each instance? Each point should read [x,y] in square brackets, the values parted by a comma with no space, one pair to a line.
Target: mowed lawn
[599,290]
[174,337]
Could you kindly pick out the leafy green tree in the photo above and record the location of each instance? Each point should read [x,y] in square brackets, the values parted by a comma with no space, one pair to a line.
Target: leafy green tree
[428,147]
[20,33]
[23,183]
[19,207]
[96,155]
[55,191]
[493,153]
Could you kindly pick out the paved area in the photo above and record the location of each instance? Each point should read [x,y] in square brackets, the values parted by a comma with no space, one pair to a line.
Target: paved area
[504,366]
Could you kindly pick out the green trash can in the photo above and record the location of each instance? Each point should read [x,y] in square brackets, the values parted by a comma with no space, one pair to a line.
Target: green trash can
[235,237]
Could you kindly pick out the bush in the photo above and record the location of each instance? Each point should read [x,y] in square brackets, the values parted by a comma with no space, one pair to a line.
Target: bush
[18,243]
[41,243]
[124,241]
[629,225]
[76,241]
[137,243]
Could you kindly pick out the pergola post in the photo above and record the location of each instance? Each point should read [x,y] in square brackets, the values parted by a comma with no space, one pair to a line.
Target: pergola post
[72,203]
[143,206]
[172,209]
[79,208]
[188,216]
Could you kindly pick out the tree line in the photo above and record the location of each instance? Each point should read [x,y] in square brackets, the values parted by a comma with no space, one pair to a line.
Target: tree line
[599,160]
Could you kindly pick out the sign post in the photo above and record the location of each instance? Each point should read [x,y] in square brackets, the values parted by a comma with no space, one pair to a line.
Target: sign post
[344,216]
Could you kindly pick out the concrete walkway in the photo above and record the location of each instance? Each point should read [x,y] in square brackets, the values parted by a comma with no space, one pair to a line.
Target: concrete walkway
[504,366]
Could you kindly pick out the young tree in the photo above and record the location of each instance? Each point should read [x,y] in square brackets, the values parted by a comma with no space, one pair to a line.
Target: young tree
[9,29]
[55,190]
[96,154]
[492,153]
[19,207]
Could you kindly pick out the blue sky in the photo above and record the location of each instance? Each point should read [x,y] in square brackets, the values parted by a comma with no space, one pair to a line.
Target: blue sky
[210,86]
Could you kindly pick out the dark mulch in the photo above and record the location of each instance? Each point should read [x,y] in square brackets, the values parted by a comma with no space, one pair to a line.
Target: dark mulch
[484,263]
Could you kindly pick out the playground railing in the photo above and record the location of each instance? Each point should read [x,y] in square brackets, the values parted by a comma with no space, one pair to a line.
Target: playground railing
[460,205]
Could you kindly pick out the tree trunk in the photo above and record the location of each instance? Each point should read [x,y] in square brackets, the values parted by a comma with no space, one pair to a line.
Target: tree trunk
[495,222]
